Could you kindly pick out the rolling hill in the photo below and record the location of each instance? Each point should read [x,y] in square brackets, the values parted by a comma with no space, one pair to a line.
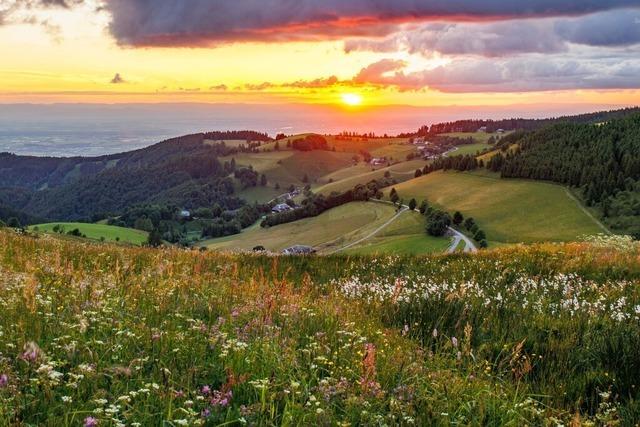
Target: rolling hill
[509,210]
[335,229]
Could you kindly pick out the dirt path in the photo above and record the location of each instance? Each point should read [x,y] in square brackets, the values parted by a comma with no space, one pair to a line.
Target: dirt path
[605,229]
[374,232]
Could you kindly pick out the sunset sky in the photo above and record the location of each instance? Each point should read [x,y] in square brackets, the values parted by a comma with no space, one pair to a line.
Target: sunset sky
[347,52]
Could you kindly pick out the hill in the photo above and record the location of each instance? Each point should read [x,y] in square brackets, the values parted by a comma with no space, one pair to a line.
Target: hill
[101,232]
[184,171]
[601,161]
[508,210]
[153,337]
[328,232]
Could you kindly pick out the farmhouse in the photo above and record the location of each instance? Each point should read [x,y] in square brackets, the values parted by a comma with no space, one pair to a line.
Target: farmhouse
[281,207]
[185,214]
[378,161]
[482,129]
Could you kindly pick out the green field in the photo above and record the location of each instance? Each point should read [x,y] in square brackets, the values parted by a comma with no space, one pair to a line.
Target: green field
[405,236]
[347,178]
[509,211]
[110,233]
[471,149]
[480,137]
[327,232]
[288,168]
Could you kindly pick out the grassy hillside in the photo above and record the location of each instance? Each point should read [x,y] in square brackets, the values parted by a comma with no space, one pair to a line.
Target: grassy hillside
[406,236]
[509,211]
[98,334]
[327,232]
[347,178]
[97,231]
[289,168]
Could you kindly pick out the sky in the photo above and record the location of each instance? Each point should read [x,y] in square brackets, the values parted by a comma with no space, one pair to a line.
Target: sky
[346,53]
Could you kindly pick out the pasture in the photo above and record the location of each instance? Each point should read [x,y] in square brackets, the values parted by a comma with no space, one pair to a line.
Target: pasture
[108,233]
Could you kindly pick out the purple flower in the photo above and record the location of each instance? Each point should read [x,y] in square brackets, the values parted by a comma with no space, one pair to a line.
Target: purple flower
[205,389]
[206,413]
[4,380]
[90,422]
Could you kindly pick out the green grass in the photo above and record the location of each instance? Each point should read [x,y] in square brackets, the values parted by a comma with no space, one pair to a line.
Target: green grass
[110,233]
[347,178]
[471,149]
[405,236]
[119,335]
[509,211]
[288,168]
[327,232]
[480,137]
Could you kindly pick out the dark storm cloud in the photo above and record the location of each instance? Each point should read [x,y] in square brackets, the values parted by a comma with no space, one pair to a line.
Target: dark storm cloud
[204,22]
[550,35]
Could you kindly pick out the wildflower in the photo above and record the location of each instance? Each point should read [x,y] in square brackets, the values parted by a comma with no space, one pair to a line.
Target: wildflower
[31,352]
[454,341]
[90,422]
[434,333]
[4,380]
[67,399]
[205,389]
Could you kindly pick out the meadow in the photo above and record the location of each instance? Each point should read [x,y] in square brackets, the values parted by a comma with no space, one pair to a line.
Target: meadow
[327,232]
[508,210]
[104,232]
[103,335]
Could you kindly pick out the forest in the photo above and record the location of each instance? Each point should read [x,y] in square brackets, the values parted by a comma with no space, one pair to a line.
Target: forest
[601,161]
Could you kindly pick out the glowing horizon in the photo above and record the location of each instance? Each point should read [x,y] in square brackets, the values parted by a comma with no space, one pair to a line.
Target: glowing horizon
[86,52]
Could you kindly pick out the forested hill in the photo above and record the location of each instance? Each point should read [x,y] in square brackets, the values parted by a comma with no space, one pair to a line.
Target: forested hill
[601,160]
[523,124]
[184,171]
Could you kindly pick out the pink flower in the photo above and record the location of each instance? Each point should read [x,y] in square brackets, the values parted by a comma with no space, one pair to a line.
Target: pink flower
[31,352]
[205,390]
[90,422]
[4,380]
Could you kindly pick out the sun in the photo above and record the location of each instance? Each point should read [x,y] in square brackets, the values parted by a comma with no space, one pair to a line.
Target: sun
[351,99]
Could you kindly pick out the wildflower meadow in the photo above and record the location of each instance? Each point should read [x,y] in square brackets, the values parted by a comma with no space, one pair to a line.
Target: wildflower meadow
[105,335]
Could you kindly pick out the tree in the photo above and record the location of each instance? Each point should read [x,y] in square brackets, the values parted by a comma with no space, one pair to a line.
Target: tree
[393,195]
[277,186]
[155,238]
[468,223]
[143,223]
[412,204]
[418,173]
[479,236]
[263,180]
[457,218]
[483,244]
[305,178]
[437,223]
[276,146]
[423,207]
[14,222]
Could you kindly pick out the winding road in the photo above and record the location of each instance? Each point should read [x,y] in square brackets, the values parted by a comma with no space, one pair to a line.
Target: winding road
[374,232]
[457,236]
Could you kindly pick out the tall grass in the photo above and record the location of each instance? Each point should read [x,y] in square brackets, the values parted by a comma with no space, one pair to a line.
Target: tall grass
[102,335]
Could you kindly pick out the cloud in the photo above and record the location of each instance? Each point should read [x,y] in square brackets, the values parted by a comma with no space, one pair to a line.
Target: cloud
[519,74]
[495,39]
[203,22]
[220,87]
[117,79]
